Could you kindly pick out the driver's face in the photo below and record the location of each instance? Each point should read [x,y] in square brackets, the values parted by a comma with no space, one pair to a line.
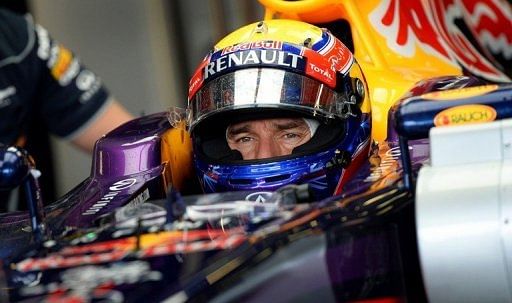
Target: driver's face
[267,138]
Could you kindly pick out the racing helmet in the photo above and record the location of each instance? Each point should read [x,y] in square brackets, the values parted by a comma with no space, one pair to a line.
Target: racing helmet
[279,69]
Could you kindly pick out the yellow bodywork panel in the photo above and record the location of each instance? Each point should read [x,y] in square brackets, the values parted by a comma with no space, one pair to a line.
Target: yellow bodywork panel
[389,73]
[176,151]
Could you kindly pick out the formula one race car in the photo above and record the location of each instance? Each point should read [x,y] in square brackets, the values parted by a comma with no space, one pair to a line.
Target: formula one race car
[423,216]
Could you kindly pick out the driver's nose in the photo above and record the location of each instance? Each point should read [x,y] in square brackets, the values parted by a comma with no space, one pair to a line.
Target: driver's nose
[267,148]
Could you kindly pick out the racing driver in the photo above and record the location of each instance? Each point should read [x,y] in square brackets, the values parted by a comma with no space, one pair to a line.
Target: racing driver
[278,102]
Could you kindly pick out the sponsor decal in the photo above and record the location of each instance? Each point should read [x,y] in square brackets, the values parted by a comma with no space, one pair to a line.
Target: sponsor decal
[141,198]
[94,282]
[145,214]
[114,190]
[432,26]
[340,60]
[259,197]
[123,184]
[61,62]
[323,72]
[197,79]
[54,54]
[87,82]
[150,245]
[251,45]
[116,274]
[253,57]
[276,53]
[465,114]
[43,51]
[70,73]
[194,84]
[319,71]
[62,58]
[466,92]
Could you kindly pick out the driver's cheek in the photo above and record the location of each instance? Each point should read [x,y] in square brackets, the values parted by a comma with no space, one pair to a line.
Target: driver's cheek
[247,150]
[285,148]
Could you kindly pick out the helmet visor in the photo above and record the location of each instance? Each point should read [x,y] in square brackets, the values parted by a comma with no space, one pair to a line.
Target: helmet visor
[266,88]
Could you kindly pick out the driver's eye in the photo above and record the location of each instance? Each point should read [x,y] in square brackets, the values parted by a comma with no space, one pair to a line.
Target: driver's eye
[291,135]
[244,139]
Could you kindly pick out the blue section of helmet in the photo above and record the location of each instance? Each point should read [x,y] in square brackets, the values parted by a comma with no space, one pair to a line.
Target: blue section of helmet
[323,43]
[310,168]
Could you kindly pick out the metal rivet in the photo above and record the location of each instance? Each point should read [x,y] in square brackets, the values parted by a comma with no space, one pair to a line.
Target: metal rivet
[307,43]
[261,27]
[360,88]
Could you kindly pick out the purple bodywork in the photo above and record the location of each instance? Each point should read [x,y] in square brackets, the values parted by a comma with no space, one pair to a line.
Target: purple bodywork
[126,161]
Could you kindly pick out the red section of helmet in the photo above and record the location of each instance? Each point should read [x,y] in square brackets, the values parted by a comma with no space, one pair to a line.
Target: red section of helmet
[196,82]
[319,68]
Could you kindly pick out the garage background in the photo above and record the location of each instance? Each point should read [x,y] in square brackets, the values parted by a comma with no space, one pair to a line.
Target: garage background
[144,51]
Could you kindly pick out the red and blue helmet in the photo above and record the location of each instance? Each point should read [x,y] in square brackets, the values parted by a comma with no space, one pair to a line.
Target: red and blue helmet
[279,69]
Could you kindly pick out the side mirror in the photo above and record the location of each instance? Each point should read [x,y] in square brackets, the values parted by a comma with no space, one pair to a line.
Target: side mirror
[446,102]
[15,165]
[17,168]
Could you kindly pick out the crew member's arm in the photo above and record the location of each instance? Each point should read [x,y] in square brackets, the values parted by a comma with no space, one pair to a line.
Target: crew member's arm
[72,99]
[41,78]
[113,115]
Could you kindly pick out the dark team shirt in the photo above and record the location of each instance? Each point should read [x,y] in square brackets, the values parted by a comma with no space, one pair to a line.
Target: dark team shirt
[40,77]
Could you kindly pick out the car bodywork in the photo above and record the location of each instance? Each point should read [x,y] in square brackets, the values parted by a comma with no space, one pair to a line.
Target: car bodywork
[131,231]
